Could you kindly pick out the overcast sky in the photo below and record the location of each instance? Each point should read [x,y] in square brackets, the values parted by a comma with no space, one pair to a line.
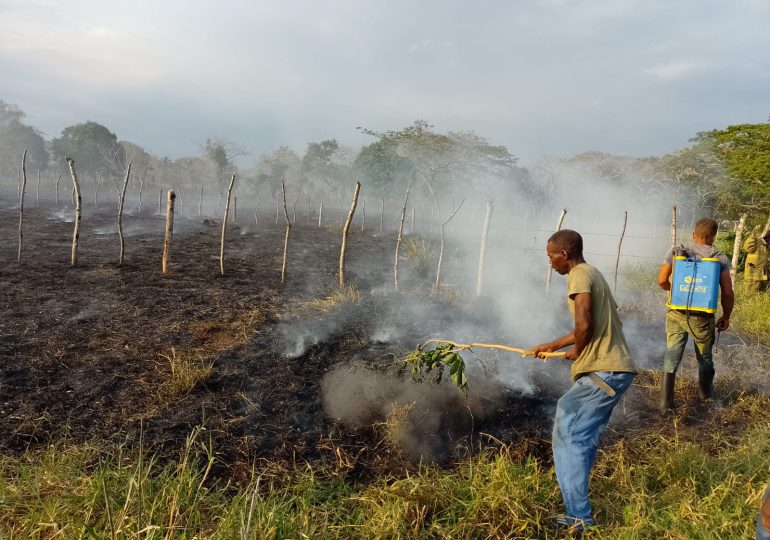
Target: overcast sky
[544,78]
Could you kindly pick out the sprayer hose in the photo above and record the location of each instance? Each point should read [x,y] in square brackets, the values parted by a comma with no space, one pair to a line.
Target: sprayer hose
[522,352]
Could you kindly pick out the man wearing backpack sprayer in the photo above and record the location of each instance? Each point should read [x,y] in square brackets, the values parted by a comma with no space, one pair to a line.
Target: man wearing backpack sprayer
[682,321]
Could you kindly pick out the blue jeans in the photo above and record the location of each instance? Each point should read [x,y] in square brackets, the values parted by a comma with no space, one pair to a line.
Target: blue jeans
[581,416]
[762,533]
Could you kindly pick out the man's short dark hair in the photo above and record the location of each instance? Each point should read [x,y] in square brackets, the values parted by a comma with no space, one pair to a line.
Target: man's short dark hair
[706,227]
[568,240]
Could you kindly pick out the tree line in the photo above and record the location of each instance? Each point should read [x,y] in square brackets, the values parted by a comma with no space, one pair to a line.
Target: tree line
[724,170]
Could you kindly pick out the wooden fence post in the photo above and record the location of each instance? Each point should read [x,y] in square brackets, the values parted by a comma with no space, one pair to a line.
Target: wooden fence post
[441,245]
[483,249]
[286,236]
[320,214]
[256,208]
[169,229]
[345,230]
[400,236]
[224,227]
[21,200]
[737,248]
[78,203]
[550,270]
[200,203]
[120,214]
[673,227]
[58,179]
[620,242]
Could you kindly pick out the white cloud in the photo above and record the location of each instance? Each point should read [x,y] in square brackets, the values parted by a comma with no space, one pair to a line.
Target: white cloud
[675,69]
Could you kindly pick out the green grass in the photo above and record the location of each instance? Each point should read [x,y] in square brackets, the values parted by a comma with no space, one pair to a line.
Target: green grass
[751,315]
[651,487]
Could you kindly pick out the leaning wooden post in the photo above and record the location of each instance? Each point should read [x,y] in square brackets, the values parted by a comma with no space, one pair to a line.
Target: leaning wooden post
[224,227]
[320,214]
[78,202]
[169,229]
[673,226]
[550,270]
[620,242]
[441,245]
[345,230]
[483,249]
[21,199]
[120,214]
[200,203]
[737,248]
[58,179]
[400,236]
[256,208]
[286,236]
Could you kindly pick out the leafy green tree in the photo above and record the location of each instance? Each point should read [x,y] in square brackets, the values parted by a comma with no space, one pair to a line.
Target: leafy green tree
[383,168]
[745,152]
[15,136]
[94,148]
[441,161]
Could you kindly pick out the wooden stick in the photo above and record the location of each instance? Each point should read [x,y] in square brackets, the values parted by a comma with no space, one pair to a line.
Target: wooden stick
[413,221]
[58,179]
[200,203]
[673,226]
[294,210]
[286,236]
[345,230]
[400,236]
[96,193]
[78,203]
[141,186]
[737,248]
[169,229]
[483,249]
[320,214]
[256,208]
[219,203]
[21,200]
[441,245]
[620,242]
[550,270]
[523,352]
[120,214]
[224,227]
[278,205]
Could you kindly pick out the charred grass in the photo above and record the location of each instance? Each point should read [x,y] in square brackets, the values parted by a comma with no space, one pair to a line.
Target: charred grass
[137,405]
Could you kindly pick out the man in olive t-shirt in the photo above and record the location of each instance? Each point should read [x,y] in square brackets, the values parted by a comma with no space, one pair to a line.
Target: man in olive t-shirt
[602,372]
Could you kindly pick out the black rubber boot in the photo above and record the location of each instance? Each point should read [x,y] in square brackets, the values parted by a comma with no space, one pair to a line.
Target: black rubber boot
[705,384]
[667,391]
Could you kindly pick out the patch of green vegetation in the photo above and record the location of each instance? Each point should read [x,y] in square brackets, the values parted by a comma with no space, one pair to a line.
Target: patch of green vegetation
[649,487]
[751,316]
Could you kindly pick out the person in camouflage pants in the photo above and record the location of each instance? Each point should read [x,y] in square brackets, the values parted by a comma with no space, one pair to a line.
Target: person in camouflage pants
[756,274]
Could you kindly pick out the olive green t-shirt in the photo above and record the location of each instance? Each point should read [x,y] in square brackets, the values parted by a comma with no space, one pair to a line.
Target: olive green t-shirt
[607,350]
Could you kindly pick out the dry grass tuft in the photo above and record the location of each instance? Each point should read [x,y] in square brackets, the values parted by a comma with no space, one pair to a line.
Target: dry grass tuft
[422,254]
[348,294]
[226,335]
[188,370]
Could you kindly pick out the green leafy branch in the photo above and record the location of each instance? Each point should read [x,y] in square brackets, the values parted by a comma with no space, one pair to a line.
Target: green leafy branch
[431,363]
